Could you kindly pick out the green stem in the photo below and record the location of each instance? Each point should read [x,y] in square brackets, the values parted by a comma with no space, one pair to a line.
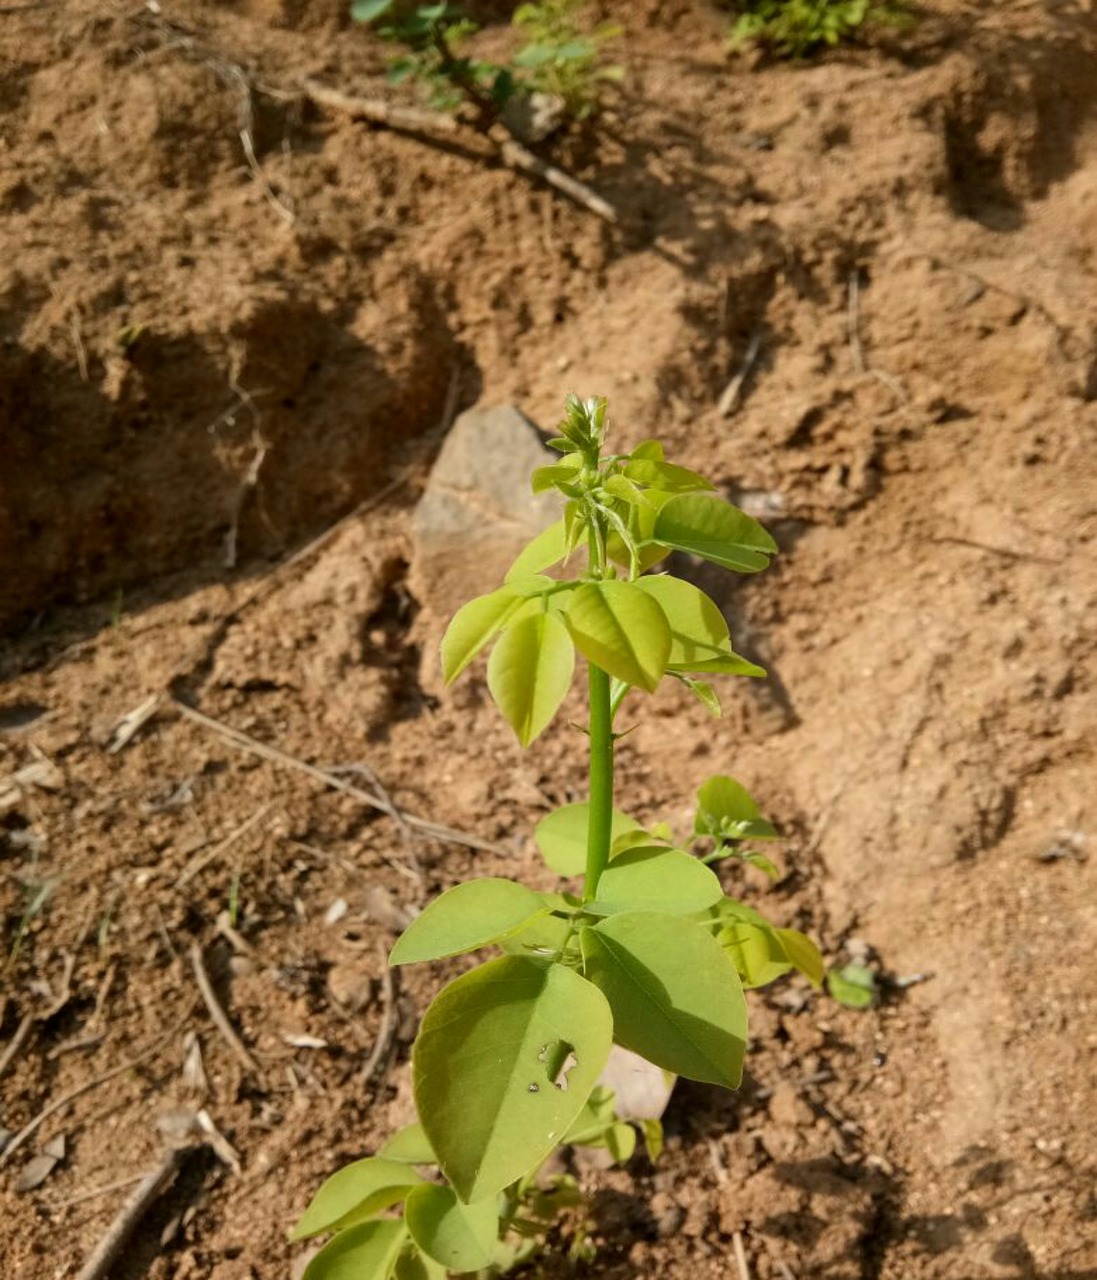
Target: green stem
[601,780]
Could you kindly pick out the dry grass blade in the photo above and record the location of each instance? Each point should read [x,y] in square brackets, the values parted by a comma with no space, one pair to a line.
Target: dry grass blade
[386,1033]
[203,860]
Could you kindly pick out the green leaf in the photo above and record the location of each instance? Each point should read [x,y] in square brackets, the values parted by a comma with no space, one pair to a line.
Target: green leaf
[756,952]
[640,524]
[545,935]
[730,664]
[621,629]
[706,695]
[529,672]
[544,551]
[652,1131]
[414,1265]
[366,1252]
[648,449]
[725,809]
[561,836]
[561,473]
[473,625]
[409,1145]
[459,1236]
[492,1099]
[698,632]
[714,530]
[804,955]
[657,879]
[853,985]
[676,997]
[469,915]
[665,475]
[369,10]
[354,1193]
[621,1142]
[595,1118]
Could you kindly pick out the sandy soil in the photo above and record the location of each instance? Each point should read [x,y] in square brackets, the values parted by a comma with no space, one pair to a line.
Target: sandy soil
[204,363]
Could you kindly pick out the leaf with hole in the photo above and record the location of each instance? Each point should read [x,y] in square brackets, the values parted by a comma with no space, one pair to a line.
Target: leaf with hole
[676,997]
[461,1237]
[470,915]
[529,672]
[355,1193]
[713,529]
[561,836]
[621,629]
[657,879]
[488,1102]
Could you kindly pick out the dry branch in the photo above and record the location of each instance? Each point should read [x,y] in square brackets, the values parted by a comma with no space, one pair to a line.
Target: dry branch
[423,826]
[109,1248]
[59,1104]
[386,1033]
[429,124]
[378,111]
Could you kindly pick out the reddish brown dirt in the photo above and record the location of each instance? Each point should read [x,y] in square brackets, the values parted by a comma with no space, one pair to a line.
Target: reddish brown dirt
[182,369]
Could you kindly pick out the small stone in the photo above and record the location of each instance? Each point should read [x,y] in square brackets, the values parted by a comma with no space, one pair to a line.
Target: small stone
[668,1214]
[350,986]
[37,1169]
[787,1108]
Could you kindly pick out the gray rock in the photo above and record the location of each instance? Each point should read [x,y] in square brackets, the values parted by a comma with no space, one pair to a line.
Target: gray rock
[477,512]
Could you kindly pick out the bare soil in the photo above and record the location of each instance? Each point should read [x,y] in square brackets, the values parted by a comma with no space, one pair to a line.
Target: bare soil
[205,362]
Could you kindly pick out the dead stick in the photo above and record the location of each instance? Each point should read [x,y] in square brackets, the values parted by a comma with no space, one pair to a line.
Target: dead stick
[434,830]
[516,156]
[16,1042]
[733,392]
[59,1104]
[203,860]
[740,1255]
[386,1033]
[93,1193]
[110,1247]
[377,111]
[219,1016]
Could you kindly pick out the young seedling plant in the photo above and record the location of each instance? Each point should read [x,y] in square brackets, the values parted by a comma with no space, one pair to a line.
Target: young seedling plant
[640,946]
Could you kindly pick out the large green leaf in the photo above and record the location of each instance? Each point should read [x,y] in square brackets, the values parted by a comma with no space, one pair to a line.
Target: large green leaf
[657,879]
[473,625]
[621,629]
[529,672]
[676,997]
[355,1193]
[505,1059]
[714,530]
[544,551]
[561,836]
[460,1236]
[468,916]
[409,1145]
[545,935]
[698,631]
[366,1252]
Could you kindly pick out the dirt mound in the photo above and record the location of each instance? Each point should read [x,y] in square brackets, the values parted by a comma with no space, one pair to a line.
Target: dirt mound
[228,317]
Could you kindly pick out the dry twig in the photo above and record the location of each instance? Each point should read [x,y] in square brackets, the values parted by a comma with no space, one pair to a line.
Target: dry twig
[59,1104]
[110,1247]
[386,1033]
[423,826]
[732,395]
[740,1255]
[377,111]
[203,860]
[16,1042]
[219,1016]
